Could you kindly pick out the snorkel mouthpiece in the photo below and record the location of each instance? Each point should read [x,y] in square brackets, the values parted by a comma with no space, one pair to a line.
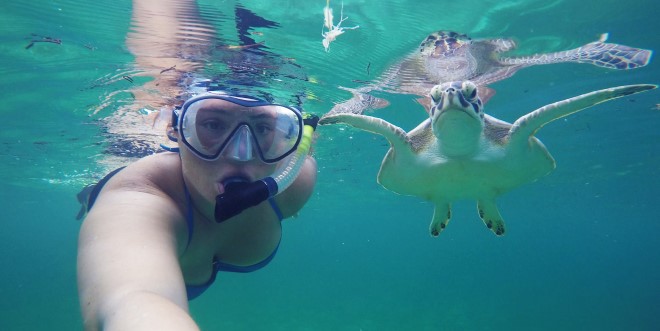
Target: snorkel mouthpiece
[240,195]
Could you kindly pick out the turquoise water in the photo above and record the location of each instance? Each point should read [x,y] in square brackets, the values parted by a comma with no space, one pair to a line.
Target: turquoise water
[581,250]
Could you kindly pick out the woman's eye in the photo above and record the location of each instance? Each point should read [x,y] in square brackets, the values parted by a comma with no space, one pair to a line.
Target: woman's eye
[213,125]
[263,129]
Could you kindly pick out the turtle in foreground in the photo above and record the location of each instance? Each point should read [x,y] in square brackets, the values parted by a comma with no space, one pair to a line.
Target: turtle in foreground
[462,153]
[446,56]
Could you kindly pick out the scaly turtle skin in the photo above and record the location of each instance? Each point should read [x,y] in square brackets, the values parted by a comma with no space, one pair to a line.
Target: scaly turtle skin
[446,56]
[462,153]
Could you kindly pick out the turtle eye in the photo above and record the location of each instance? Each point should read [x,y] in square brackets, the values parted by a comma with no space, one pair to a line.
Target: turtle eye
[473,94]
[437,98]
[436,95]
[470,90]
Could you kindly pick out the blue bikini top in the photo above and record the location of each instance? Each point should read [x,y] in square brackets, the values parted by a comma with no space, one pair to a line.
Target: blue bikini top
[194,291]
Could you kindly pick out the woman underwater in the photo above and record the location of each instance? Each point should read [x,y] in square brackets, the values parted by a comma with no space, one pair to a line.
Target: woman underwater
[158,231]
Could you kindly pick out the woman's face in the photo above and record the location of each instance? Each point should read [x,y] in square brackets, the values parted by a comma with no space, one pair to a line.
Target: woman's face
[239,128]
[220,139]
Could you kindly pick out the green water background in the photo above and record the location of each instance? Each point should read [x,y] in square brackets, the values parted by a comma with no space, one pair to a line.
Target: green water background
[581,250]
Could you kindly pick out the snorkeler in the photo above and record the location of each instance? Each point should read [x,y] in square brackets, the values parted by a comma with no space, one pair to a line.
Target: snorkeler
[159,230]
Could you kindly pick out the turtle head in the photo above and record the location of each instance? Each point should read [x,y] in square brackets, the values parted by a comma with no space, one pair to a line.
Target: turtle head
[457,117]
[441,44]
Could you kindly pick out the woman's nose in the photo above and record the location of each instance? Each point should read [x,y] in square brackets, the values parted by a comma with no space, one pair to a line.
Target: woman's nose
[241,146]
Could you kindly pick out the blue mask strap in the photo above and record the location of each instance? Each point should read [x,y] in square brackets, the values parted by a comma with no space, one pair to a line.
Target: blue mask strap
[168,148]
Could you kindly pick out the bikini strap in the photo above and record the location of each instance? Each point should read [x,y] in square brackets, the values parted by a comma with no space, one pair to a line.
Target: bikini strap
[189,214]
[276,208]
[98,186]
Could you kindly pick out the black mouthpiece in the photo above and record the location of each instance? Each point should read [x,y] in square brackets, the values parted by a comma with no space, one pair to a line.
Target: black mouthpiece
[239,196]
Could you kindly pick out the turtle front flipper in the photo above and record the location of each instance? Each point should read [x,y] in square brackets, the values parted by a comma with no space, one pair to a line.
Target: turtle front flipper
[485,93]
[612,56]
[358,104]
[489,213]
[394,134]
[441,216]
[527,125]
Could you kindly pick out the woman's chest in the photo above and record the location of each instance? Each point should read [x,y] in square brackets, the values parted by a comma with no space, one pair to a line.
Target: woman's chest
[241,241]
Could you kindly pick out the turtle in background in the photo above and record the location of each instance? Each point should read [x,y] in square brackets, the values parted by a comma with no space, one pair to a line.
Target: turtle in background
[446,56]
[462,153]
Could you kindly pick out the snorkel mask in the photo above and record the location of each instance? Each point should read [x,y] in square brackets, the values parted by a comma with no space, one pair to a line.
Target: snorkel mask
[214,125]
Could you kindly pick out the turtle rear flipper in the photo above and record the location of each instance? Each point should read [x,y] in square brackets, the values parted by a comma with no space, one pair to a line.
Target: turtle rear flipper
[441,217]
[489,213]
[426,103]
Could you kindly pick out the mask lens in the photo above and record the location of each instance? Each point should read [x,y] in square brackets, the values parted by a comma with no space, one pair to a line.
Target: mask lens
[277,132]
[209,125]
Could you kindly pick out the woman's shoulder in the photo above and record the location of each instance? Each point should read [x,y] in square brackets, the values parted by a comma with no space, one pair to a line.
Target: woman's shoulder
[155,173]
[148,192]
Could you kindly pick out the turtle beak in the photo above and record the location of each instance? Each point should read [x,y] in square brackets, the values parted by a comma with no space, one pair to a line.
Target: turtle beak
[457,96]
[454,95]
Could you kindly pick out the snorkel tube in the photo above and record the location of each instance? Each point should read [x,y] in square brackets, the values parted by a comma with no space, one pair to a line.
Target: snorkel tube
[240,195]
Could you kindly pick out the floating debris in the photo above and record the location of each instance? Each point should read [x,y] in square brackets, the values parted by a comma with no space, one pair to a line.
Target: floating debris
[241,46]
[168,69]
[43,39]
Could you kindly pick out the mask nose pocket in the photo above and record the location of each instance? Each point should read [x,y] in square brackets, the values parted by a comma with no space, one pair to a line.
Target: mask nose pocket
[241,145]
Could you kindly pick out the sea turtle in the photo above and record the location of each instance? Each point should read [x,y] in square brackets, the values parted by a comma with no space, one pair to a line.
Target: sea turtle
[462,153]
[446,56]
